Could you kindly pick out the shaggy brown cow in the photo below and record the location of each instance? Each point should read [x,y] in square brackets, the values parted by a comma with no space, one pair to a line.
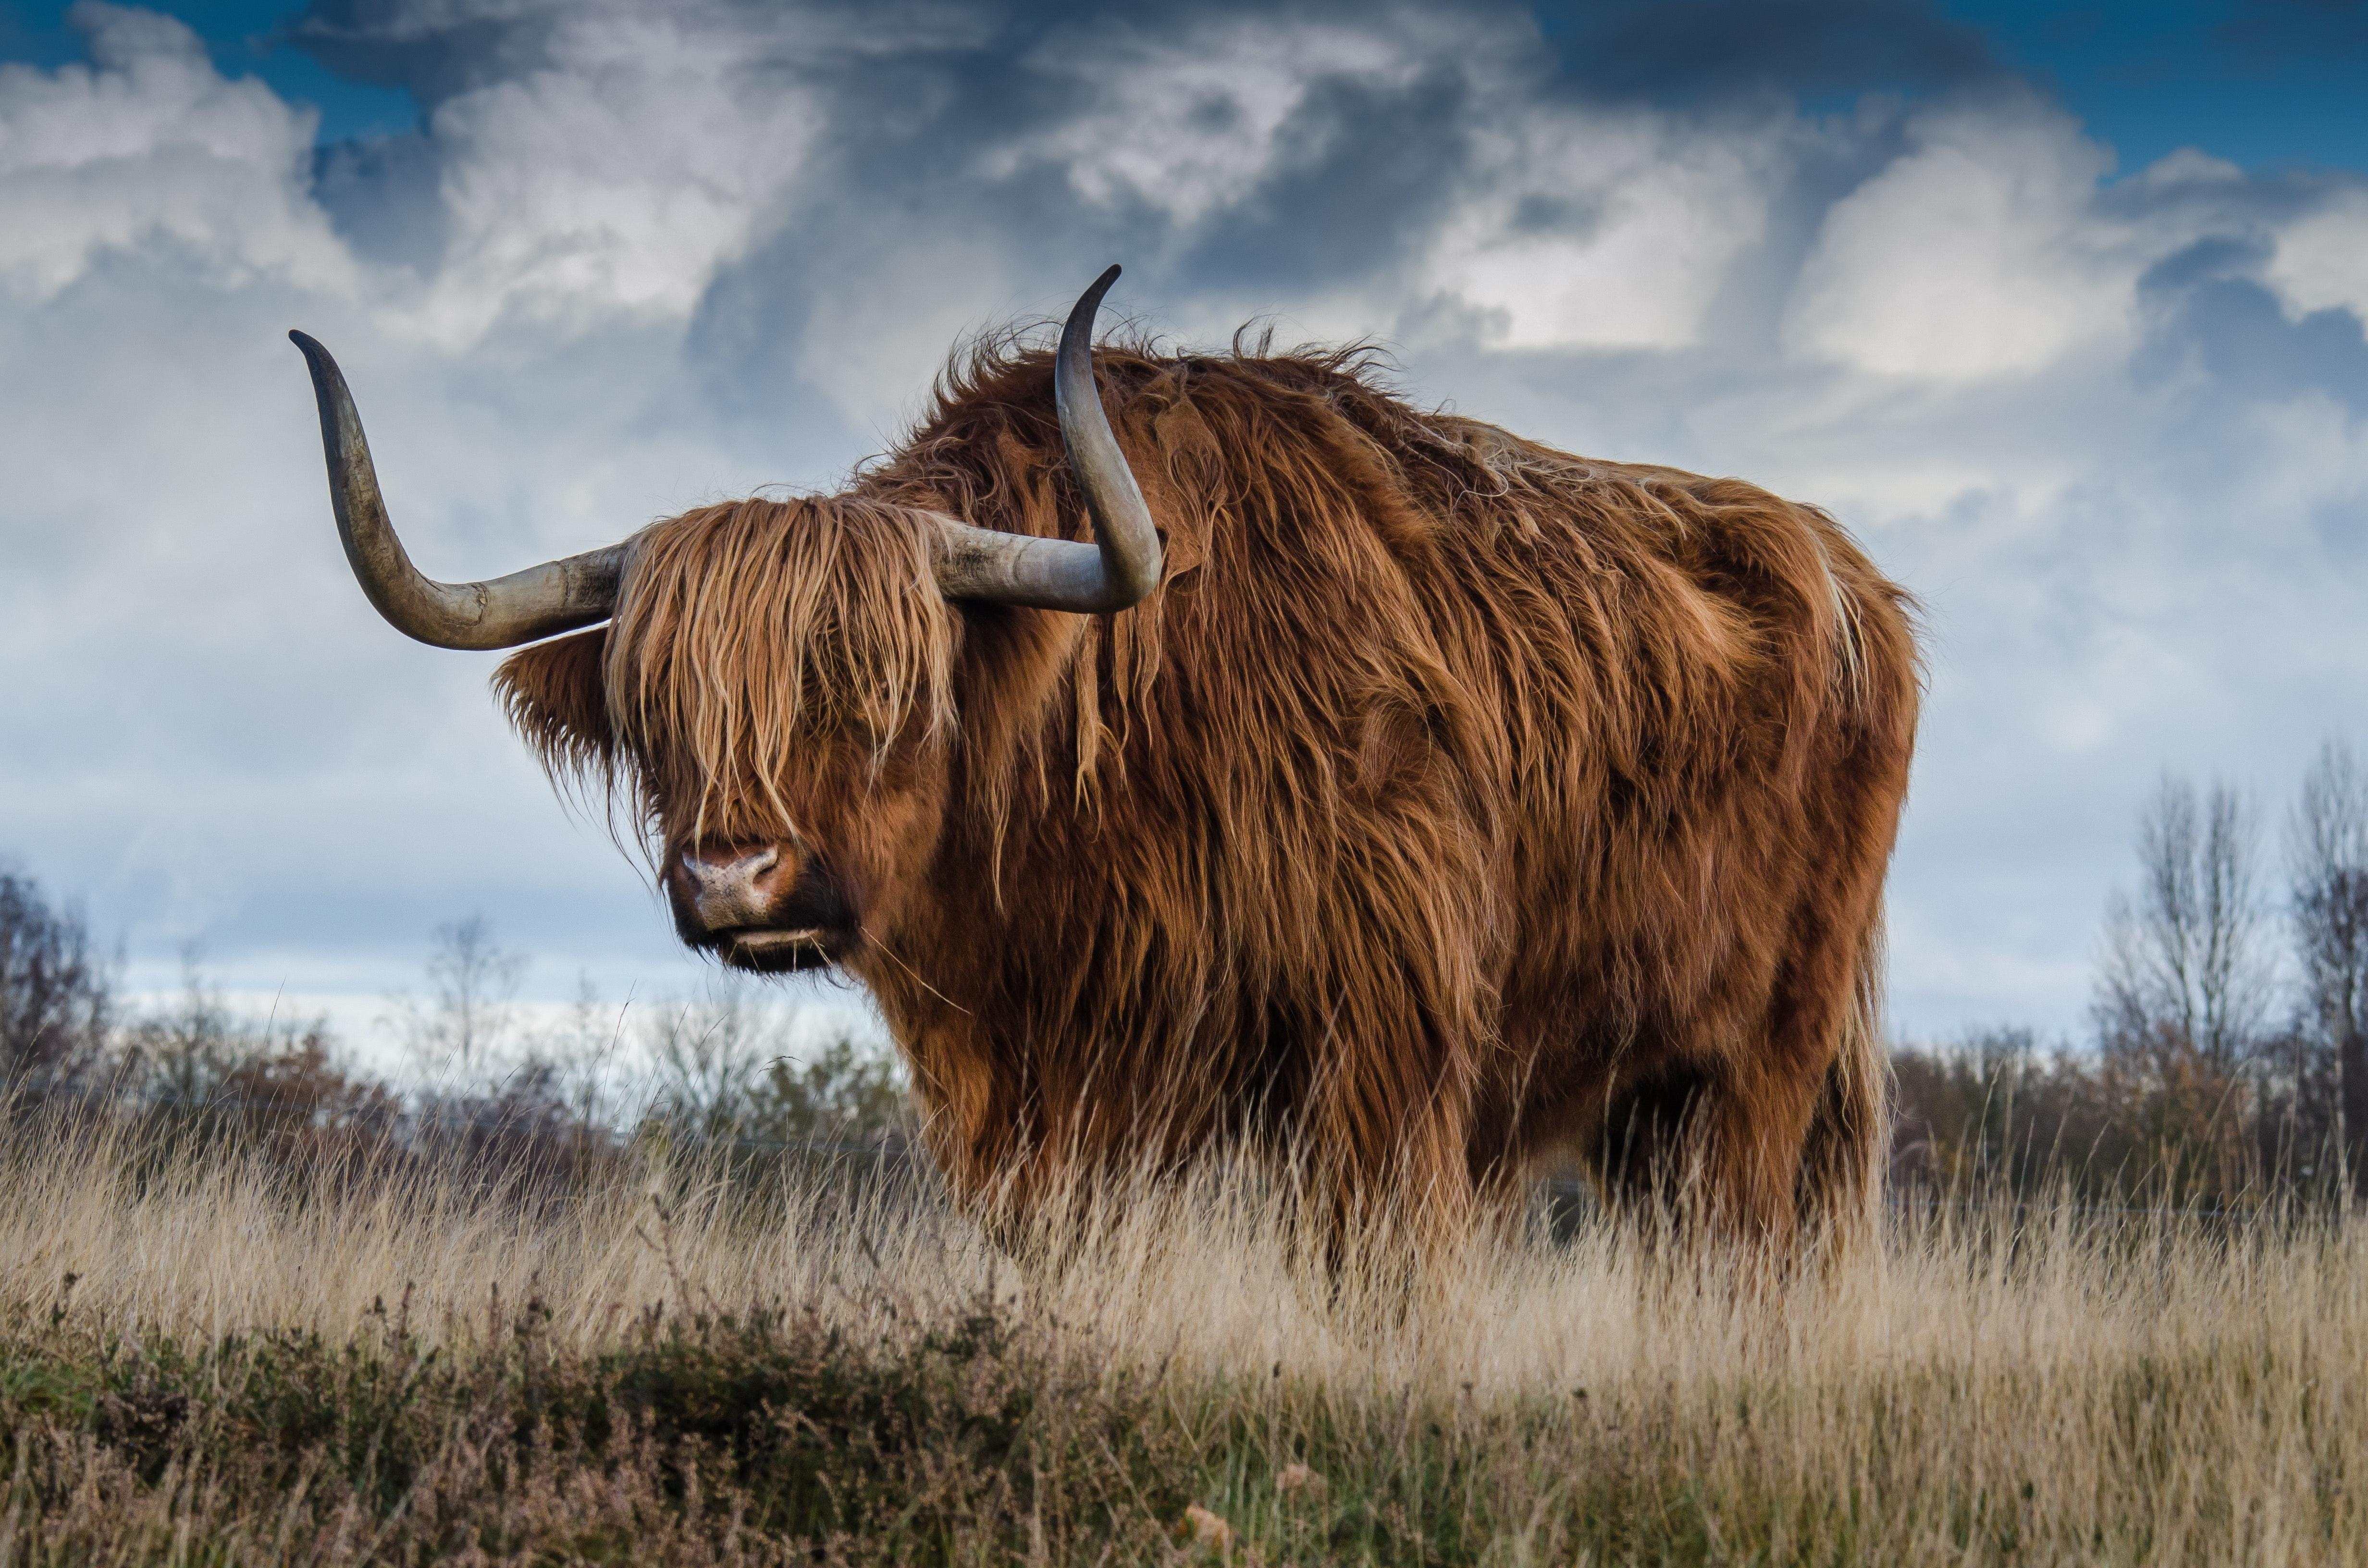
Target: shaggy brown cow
[1443,804]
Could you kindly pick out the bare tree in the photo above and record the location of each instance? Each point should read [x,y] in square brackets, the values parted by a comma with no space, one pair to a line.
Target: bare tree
[56,996]
[706,1054]
[728,1064]
[198,1050]
[2185,961]
[475,988]
[2326,848]
[578,1053]
[181,1055]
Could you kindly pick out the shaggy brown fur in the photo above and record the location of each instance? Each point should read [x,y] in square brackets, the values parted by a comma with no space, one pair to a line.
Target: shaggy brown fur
[1456,804]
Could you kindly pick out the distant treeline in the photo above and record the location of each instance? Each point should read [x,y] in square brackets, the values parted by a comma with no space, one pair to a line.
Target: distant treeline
[2227,1066]
[716,1070]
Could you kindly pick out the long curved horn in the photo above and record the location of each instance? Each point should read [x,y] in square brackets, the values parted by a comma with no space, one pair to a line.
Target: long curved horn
[1123,564]
[557,596]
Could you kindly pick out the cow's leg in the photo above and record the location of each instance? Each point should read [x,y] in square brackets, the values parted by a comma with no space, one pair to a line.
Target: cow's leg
[978,1125]
[1384,1141]
[1714,1151]
[1755,1131]
[1044,1163]
[1027,1193]
[1645,1154]
[1500,1176]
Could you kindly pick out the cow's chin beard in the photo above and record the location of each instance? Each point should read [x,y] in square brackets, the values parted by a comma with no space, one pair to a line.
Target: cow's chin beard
[763,949]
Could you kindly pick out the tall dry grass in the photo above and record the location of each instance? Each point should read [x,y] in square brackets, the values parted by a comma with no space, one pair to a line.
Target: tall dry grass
[2001,1384]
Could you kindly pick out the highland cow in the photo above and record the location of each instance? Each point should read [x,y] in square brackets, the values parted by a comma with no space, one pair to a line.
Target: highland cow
[1231,754]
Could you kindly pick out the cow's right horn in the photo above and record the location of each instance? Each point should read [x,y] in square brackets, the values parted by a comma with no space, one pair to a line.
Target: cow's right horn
[557,596]
[1122,565]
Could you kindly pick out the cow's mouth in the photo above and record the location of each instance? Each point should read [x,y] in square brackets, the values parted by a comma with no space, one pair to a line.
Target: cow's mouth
[772,950]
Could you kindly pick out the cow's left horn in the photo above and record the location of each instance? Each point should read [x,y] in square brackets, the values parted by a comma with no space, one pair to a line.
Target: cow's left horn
[557,596]
[1123,564]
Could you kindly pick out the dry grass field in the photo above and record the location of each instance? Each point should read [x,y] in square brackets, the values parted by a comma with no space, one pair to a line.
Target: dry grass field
[210,1359]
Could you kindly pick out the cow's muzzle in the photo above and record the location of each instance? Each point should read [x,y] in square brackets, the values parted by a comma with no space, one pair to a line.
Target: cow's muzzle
[766,908]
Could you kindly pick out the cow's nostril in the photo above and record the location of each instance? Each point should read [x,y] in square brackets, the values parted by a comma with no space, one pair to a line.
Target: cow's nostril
[741,868]
[728,893]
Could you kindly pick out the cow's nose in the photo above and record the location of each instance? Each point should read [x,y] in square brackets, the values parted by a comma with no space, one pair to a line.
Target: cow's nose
[731,891]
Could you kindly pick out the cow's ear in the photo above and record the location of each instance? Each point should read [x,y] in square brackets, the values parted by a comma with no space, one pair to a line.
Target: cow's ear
[557,700]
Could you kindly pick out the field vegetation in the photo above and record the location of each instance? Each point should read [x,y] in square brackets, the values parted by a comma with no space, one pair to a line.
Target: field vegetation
[211,1353]
[666,1290]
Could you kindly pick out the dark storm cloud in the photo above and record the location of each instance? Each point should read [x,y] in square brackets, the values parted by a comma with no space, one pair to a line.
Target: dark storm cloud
[383,196]
[387,43]
[1695,50]
[2213,318]
[1360,172]
[939,127]
[922,97]
[919,93]
[957,61]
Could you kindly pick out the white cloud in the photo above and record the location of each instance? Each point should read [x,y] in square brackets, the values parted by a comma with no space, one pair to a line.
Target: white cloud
[2190,166]
[148,145]
[1191,125]
[1566,227]
[615,179]
[1978,254]
[1604,229]
[2321,260]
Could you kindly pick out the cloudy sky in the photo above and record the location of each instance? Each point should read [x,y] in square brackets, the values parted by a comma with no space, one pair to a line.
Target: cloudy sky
[2059,309]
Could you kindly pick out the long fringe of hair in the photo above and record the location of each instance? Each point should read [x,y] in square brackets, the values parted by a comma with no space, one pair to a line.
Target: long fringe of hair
[763,639]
